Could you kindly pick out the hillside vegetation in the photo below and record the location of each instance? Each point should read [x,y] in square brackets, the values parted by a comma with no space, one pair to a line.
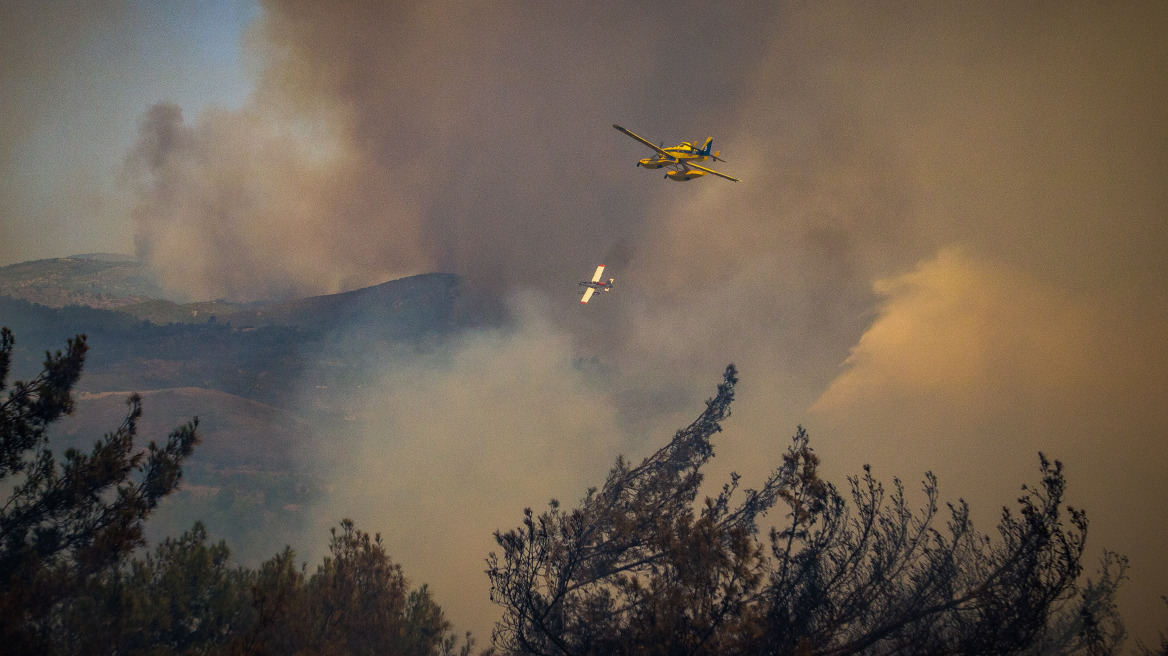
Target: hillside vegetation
[238,367]
[100,281]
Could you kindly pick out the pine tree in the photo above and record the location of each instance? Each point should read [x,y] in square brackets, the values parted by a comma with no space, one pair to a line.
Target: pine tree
[66,522]
[357,602]
[640,568]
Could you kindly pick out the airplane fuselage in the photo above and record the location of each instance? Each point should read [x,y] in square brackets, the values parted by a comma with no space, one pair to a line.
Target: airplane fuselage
[598,286]
[595,285]
[677,159]
[686,152]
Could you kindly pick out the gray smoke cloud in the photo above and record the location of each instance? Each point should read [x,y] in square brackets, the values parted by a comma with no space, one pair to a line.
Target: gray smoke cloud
[74,77]
[946,252]
[236,207]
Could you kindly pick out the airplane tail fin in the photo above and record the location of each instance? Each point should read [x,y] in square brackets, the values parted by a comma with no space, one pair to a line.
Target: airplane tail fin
[708,145]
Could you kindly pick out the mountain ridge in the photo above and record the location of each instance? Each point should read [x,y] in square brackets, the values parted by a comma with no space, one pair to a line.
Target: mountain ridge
[117,282]
[98,280]
[265,379]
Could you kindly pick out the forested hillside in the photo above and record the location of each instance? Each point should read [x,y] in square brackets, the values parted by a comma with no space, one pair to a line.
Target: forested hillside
[100,280]
[244,373]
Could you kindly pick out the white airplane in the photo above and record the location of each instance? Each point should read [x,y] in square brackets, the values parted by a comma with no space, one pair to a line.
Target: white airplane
[682,159]
[595,284]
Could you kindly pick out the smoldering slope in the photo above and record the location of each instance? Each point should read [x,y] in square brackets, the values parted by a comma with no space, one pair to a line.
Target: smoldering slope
[957,204]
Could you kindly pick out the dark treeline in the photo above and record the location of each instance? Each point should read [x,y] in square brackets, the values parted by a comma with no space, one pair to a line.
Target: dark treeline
[184,597]
[74,578]
[639,567]
[260,353]
[260,364]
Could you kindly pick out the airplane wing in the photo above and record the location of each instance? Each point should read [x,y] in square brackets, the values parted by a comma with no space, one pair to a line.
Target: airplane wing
[646,142]
[596,276]
[587,294]
[720,175]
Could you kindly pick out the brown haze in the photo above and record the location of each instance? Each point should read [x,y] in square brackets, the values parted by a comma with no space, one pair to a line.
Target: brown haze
[946,253]
[37,77]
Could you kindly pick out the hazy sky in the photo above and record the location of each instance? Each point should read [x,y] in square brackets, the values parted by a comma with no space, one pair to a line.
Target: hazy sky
[947,250]
[75,80]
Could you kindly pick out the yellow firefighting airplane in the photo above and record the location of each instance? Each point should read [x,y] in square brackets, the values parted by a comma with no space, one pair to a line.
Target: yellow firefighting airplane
[595,284]
[680,158]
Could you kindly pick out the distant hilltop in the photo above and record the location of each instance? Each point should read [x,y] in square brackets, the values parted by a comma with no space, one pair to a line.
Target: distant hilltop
[415,303]
[111,281]
[107,281]
[104,257]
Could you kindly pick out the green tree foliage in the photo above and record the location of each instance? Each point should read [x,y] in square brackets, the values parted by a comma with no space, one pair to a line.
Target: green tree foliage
[66,522]
[640,568]
[70,582]
[185,598]
[357,602]
[181,598]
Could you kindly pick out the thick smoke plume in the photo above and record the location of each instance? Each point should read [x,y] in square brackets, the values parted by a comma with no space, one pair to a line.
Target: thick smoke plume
[998,168]
[235,207]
